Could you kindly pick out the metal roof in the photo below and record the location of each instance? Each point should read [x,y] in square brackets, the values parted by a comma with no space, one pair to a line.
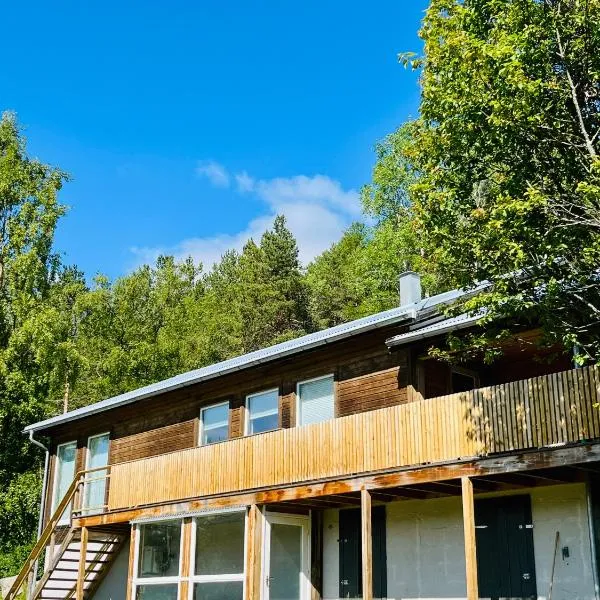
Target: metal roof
[444,326]
[307,342]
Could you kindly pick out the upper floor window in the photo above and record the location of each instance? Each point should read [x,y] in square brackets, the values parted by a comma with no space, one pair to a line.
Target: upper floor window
[214,423]
[262,412]
[315,400]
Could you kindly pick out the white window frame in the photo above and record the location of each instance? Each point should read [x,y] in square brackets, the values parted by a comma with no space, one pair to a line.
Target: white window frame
[328,376]
[193,578]
[247,410]
[201,426]
[54,504]
[170,580]
[96,473]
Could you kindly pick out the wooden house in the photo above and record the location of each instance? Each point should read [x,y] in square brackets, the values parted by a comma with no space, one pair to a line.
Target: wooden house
[343,464]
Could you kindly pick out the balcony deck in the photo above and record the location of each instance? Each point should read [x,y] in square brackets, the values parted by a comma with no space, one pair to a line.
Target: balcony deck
[542,412]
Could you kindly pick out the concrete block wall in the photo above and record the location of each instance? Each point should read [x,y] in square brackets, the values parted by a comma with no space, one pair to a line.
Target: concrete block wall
[425,547]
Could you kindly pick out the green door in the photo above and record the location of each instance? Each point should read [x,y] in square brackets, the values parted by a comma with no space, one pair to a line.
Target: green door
[351,553]
[505,557]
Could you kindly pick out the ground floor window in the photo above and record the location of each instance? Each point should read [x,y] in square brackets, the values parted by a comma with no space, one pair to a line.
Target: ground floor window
[219,556]
[216,558]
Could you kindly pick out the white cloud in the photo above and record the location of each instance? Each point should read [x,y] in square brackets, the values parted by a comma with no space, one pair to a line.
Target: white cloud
[317,209]
[214,172]
[245,182]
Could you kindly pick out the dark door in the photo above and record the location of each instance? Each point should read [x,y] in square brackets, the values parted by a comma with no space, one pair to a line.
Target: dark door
[351,554]
[505,559]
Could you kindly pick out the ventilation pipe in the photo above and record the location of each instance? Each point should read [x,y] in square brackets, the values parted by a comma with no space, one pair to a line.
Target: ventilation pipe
[409,284]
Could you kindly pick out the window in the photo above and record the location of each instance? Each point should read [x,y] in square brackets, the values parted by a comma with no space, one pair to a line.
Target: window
[219,556]
[215,557]
[214,423]
[158,559]
[315,400]
[263,412]
[63,475]
[463,380]
[159,549]
[95,487]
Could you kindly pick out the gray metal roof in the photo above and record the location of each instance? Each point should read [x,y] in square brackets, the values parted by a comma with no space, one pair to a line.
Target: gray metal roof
[307,342]
[438,328]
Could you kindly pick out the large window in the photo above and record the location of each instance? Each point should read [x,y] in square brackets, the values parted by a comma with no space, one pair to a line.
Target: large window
[216,558]
[262,412]
[214,423]
[315,400]
[219,557]
[64,473]
[158,560]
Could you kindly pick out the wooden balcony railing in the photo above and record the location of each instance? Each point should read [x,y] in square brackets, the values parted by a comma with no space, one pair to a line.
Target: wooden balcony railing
[533,413]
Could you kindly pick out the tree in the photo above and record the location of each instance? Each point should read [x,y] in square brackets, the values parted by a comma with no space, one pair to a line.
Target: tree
[506,152]
[29,212]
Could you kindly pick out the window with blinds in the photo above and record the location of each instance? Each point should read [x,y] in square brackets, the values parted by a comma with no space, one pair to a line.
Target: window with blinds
[315,400]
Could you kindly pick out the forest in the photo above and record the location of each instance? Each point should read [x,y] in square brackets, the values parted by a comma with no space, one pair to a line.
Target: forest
[497,179]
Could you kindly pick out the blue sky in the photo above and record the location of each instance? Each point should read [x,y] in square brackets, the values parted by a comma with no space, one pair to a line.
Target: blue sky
[186,126]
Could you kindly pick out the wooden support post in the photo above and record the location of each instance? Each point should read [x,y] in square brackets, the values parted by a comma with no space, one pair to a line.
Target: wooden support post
[254,542]
[470,546]
[131,570]
[367,544]
[80,587]
[186,549]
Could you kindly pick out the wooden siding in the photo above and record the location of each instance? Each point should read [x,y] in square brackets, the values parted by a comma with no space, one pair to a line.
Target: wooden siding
[533,413]
[370,392]
[151,443]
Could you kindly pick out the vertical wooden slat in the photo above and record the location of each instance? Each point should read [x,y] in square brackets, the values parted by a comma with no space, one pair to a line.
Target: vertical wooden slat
[130,571]
[367,544]
[468,506]
[186,549]
[80,586]
[254,539]
[531,413]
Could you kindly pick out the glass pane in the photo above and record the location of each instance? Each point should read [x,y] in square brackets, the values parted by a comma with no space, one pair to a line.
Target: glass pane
[263,411]
[65,472]
[213,435]
[261,424]
[316,401]
[156,592]
[285,562]
[217,590]
[159,549]
[96,486]
[220,544]
[215,415]
[215,424]
[266,402]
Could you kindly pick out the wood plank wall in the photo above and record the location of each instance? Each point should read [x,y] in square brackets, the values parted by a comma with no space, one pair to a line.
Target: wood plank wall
[532,413]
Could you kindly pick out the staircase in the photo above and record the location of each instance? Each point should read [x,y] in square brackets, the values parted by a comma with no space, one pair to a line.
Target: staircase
[59,582]
[74,566]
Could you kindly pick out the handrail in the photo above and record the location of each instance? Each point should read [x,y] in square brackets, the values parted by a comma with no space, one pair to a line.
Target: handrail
[46,534]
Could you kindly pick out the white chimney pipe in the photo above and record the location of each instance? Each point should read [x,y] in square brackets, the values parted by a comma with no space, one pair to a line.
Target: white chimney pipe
[409,284]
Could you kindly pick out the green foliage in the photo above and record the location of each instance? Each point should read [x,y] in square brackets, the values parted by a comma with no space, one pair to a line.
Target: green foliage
[506,154]
[19,504]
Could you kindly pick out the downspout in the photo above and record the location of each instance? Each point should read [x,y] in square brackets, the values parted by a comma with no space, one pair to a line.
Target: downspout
[42,503]
[44,481]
